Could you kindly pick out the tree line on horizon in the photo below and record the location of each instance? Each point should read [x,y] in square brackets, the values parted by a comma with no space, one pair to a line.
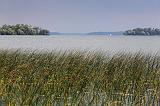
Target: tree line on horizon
[143,31]
[22,29]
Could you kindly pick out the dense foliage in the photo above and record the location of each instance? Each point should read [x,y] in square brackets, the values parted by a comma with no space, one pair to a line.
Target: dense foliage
[79,79]
[143,31]
[22,29]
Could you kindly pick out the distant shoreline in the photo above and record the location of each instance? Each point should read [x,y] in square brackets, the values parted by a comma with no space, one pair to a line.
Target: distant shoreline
[89,33]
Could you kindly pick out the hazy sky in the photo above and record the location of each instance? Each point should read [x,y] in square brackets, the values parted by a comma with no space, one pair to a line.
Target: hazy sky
[81,15]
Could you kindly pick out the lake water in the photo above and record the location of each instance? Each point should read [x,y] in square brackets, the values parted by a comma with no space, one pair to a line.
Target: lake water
[104,43]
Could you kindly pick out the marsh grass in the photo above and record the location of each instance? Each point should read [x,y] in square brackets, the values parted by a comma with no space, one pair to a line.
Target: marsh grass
[79,79]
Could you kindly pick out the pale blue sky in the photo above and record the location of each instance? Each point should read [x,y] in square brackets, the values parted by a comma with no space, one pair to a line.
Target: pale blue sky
[82,15]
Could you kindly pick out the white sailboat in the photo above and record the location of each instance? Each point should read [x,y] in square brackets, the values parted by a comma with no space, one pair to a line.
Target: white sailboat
[110,34]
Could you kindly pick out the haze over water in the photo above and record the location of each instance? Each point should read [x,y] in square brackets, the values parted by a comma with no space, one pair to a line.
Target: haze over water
[97,43]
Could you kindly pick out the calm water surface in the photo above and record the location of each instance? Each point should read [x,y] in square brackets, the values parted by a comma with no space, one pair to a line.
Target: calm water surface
[104,43]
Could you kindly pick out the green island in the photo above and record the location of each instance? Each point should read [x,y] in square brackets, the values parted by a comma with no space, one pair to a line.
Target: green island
[79,78]
[22,29]
[143,31]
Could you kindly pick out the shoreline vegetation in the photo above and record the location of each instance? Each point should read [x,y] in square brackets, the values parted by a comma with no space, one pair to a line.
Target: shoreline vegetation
[78,78]
[143,32]
[25,29]
[22,29]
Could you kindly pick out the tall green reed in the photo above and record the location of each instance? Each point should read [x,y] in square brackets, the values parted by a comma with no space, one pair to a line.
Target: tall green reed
[79,78]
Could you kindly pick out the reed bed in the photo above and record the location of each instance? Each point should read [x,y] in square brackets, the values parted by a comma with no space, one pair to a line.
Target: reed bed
[78,78]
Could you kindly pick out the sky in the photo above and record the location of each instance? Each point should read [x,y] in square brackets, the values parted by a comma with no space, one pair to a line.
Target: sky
[81,15]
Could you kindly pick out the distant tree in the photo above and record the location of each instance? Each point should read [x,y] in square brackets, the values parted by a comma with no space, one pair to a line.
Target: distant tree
[22,29]
[37,29]
[157,31]
[143,31]
[20,32]
[43,32]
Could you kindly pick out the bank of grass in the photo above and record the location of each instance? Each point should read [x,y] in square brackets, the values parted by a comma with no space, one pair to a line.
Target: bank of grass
[79,79]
